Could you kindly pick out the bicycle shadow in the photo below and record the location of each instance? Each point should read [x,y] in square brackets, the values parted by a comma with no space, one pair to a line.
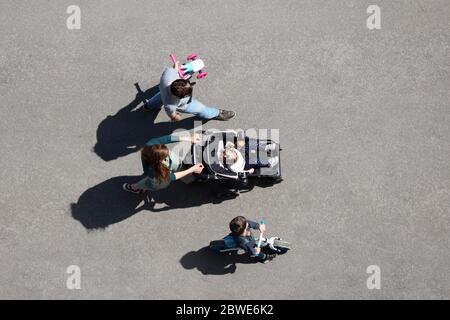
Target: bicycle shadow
[209,262]
[106,203]
[131,127]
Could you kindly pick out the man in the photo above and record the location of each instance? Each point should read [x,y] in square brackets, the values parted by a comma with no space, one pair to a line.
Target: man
[175,95]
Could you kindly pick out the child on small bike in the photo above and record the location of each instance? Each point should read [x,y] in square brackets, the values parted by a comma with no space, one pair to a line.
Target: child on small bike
[241,231]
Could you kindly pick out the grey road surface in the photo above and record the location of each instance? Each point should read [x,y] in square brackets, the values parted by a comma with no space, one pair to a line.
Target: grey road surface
[364,121]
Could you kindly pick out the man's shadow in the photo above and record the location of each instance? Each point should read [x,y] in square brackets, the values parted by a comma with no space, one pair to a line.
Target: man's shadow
[131,127]
[210,262]
[106,203]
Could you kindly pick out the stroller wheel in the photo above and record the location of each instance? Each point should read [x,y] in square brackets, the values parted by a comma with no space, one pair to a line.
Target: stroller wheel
[282,250]
[228,194]
[201,177]
[277,179]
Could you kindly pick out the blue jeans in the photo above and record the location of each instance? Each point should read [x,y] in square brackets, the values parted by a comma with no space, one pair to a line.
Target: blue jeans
[262,256]
[195,107]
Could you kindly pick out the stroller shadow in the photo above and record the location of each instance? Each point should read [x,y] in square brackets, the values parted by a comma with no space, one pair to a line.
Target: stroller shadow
[130,128]
[106,203]
[209,262]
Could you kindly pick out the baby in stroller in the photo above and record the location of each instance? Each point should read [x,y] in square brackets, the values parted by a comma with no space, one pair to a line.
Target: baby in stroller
[247,155]
[235,162]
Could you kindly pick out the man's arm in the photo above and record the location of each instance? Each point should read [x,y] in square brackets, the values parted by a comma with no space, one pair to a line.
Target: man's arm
[169,75]
[176,65]
[174,116]
[171,111]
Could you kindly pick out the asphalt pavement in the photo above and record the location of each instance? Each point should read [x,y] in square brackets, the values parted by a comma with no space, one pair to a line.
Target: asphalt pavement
[364,124]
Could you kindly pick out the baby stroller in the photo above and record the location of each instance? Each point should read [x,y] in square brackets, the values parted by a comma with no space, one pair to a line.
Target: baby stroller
[224,182]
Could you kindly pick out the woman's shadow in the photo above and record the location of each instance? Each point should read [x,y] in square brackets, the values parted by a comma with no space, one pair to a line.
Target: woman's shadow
[131,127]
[106,203]
[210,262]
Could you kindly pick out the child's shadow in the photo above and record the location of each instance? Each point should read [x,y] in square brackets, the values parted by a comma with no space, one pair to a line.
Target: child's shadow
[130,128]
[106,203]
[210,262]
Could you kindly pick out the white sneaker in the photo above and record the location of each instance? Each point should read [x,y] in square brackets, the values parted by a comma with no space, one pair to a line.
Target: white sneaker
[273,161]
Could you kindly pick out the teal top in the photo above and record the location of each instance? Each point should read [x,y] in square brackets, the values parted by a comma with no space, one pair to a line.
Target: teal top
[172,162]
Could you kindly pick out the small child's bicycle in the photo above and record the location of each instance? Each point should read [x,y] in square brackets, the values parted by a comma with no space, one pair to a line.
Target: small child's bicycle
[188,69]
[228,244]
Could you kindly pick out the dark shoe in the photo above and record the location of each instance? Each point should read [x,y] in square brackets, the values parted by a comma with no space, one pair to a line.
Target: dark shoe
[127,187]
[269,257]
[145,106]
[225,115]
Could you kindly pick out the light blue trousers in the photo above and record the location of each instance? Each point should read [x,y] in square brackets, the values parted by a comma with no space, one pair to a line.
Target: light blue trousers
[195,107]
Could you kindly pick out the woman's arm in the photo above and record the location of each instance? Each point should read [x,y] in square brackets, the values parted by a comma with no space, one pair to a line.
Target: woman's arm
[163,140]
[195,138]
[157,184]
[198,168]
[181,174]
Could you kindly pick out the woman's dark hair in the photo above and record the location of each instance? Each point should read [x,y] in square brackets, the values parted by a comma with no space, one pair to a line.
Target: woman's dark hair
[154,156]
[181,88]
[238,225]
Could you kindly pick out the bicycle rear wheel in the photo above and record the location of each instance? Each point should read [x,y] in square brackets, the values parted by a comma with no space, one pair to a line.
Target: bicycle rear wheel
[281,244]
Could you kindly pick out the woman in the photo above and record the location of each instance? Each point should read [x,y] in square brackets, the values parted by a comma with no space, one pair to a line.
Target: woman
[161,166]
